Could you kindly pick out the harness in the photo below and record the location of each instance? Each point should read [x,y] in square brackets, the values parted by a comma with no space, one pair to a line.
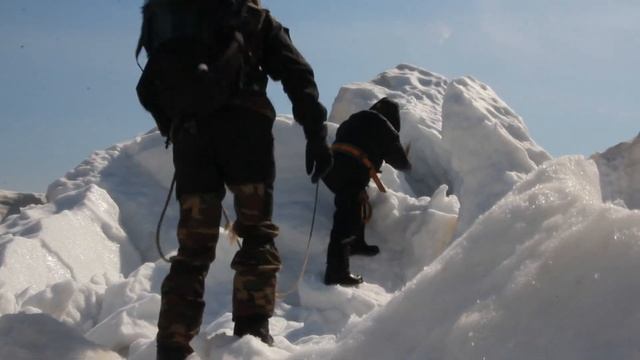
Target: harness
[366,211]
[362,156]
[354,151]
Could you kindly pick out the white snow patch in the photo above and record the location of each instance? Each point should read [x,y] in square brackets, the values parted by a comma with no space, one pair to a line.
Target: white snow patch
[29,337]
[620,173]
[76,236]
[490,147]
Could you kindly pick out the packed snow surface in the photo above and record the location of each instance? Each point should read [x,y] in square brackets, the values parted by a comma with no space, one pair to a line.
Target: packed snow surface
[490,249]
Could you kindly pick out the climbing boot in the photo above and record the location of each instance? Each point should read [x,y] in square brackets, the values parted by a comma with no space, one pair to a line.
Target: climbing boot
[172,351]
[338,272]
[363,249]
[257,326]
[346,279]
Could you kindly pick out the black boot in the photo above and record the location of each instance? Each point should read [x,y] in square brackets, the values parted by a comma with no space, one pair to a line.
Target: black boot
[364,249]
[359,247]
[172,351]
[346,279]
[338,272]
[257,326]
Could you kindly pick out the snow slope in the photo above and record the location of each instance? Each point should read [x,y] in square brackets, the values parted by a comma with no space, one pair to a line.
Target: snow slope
[490,248]
[550,272]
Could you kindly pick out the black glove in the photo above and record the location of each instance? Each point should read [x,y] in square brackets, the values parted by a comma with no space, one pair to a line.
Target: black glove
[319,159]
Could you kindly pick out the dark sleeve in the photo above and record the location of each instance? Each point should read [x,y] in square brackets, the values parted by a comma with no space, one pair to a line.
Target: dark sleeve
[283,62]
[394,154]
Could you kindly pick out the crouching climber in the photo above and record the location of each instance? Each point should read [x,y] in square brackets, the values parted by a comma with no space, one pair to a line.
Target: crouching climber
[362,143]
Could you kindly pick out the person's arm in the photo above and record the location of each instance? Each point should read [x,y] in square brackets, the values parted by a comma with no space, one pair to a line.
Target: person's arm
[394,153]
[283,62]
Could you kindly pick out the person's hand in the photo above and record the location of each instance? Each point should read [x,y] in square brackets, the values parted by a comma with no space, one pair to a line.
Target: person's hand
[318,159]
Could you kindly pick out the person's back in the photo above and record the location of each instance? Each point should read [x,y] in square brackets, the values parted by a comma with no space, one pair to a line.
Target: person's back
[368,131]
[231,146]
[375,133]
[269,53]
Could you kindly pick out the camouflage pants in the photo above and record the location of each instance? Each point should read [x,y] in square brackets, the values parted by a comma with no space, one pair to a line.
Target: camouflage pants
[256,263]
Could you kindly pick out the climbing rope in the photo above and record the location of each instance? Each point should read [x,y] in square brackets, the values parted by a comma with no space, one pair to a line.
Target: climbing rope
[294,287]
[164,211]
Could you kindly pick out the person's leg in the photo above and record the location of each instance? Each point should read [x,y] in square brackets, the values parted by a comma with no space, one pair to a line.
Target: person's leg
[256,263]
[200,193]
[359,246]
[249,171]
[345,222]
[183,288]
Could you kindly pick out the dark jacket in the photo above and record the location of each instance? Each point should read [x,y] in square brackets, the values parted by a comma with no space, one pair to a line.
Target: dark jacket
[373,134]
[272,55]
[278,58]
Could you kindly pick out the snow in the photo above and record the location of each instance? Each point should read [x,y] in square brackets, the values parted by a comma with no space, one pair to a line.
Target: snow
[77,235]
[37,336]
[11,202]
[620,173]
[548,272]
[490,147]
[490,249]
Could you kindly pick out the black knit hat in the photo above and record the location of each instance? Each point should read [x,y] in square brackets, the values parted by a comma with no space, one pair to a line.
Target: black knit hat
[390,110]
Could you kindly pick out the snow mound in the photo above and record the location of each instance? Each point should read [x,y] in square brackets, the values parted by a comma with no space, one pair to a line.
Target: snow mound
[620,173]
[490,146]
[135,175]
[75,236]
[548,272]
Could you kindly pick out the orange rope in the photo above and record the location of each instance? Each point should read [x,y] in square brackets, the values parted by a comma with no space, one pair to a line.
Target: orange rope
[366,210]
[362,156]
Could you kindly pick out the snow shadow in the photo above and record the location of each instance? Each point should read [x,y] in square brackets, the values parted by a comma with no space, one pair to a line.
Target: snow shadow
[39,336]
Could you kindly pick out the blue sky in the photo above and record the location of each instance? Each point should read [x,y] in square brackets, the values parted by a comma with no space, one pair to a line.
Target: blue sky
[569,68]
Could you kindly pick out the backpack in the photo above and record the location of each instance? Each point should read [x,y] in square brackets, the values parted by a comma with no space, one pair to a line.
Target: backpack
[196,58]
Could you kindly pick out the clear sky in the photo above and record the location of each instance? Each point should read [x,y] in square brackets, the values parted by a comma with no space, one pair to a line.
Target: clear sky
[569,68]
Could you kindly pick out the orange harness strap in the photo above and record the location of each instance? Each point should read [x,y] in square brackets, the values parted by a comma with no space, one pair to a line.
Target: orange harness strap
[366,211]
[360,155]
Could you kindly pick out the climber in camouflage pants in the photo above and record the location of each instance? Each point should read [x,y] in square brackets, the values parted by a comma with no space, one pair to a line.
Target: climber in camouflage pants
[206,160]
[233,148]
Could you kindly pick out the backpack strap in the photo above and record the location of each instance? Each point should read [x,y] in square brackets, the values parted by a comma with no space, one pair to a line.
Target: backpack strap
[237,43]
[138,50]
[254,18]
[144,35]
